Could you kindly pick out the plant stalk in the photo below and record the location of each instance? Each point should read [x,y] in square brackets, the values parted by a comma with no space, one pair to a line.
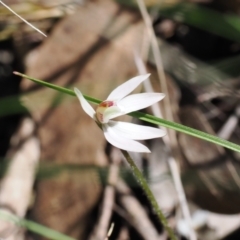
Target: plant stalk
[143,183]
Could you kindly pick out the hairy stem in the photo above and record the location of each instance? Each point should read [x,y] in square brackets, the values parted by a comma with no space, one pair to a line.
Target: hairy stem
[143,183]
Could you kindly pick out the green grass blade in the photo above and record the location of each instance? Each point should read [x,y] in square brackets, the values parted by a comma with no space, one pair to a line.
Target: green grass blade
[34,227]
[151,119]
[184,129]
[58,88]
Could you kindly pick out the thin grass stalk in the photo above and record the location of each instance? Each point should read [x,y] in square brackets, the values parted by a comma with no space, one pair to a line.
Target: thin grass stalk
[24,20]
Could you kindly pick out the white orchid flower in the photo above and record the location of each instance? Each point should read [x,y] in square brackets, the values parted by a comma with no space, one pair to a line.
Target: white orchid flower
[123,134]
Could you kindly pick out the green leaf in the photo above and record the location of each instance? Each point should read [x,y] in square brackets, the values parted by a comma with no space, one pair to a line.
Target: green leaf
[184,129]
[34,227]
[58,88]
[149,118]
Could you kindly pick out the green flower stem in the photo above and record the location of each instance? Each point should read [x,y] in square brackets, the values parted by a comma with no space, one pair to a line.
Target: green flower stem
[149,118]
[143,183]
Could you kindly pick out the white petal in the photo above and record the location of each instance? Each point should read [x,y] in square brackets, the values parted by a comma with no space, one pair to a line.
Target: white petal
[121,142]
[127,87]
[85,105]
[134,131]
[135,102]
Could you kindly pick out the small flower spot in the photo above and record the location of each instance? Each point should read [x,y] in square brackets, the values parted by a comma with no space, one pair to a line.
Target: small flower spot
[101,108]
[106,104]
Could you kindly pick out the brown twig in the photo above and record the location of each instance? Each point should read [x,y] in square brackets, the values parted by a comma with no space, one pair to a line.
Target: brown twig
[138,216]
[16,186]
[101,230]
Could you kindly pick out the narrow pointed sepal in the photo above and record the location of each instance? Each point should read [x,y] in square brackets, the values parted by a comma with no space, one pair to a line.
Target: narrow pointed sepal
[135,102]
[85,105]
[127,87]
[122,142]
[135,131]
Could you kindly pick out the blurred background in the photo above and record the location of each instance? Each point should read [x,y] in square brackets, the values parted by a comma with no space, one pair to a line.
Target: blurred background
[56,168]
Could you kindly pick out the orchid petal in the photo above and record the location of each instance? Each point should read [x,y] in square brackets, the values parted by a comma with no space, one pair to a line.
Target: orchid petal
[112,112]
[135,102]
[134,131]
[85,105]
[127,87]
[121,142]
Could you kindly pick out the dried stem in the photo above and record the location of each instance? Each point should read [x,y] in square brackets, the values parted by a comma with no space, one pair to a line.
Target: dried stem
[102,227]
[24,20]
